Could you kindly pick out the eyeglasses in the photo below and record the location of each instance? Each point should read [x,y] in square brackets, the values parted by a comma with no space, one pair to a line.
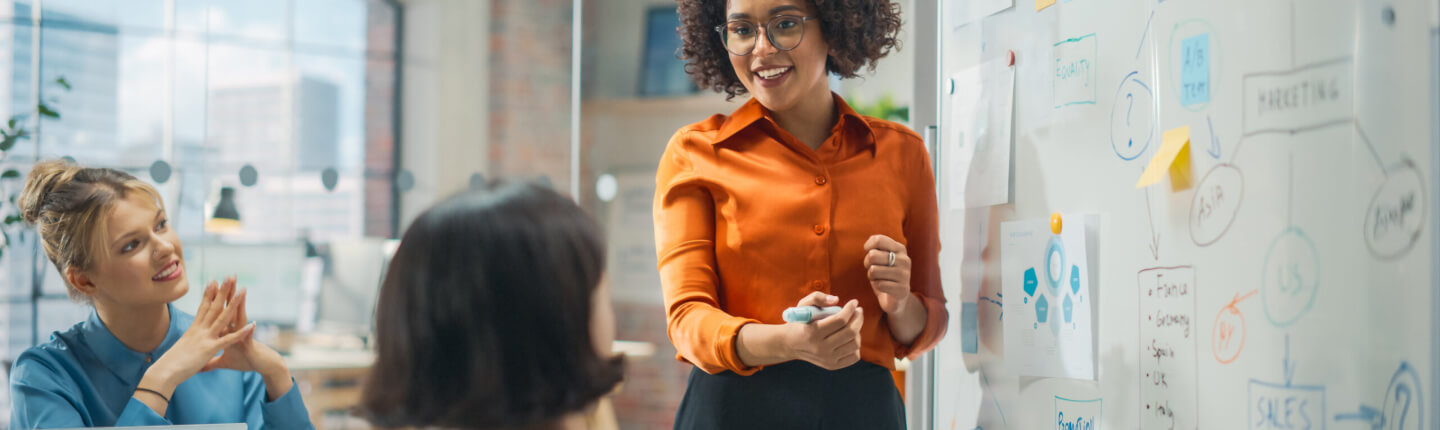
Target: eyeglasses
[785,32]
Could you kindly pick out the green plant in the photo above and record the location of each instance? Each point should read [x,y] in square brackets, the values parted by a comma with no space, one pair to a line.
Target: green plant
[885,108]
[15,130]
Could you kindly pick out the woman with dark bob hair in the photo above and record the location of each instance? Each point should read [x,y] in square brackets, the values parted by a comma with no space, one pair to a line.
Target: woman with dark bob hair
[795,199]
[493,315]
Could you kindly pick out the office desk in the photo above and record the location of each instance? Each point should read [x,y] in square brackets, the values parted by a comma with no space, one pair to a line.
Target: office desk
[332,379]
[329,379]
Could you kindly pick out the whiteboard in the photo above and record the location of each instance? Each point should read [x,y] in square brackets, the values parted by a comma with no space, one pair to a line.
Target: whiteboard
[1302,250]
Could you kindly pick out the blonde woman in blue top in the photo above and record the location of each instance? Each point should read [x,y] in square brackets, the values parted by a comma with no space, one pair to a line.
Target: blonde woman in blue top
[137,360]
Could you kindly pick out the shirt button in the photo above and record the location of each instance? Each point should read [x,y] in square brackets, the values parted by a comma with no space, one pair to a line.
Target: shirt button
[821,180]
[819,229]
[817,285]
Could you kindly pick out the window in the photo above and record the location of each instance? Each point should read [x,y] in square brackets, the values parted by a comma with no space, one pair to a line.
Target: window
[187,94]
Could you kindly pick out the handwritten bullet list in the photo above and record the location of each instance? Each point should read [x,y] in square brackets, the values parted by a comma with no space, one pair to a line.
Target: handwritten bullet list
[1167,354]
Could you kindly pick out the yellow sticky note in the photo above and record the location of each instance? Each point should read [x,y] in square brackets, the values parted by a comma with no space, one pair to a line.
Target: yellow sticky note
[1173,157]
[1041,4]
[1180,169]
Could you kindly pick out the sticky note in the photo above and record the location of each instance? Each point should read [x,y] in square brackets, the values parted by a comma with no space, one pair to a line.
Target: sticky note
[970,328]
[1041,4]
[1195,70]
[1173,158]
[1180,168]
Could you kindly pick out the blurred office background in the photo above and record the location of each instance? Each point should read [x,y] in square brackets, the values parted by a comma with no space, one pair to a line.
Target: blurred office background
[293,140]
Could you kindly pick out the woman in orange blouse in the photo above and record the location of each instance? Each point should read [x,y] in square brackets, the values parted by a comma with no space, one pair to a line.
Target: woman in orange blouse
[794,200]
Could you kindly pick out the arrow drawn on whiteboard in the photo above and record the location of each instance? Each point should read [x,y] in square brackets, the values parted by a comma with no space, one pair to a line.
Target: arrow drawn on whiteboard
[1141,48]
[1289,365]
[1366,414]
[1373,153]
[1214,140]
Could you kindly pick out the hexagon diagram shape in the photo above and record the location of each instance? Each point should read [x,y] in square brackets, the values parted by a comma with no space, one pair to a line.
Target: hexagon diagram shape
[1075,279]
[1031,282]
[1069,308]
[1042,309]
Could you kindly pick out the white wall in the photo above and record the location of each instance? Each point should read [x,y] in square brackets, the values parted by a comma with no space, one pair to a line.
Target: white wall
[444,103]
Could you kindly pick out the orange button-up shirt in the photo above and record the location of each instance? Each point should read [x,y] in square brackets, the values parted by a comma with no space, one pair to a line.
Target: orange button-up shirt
[749,220]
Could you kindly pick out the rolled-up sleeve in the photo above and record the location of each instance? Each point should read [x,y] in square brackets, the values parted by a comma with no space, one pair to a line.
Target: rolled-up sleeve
[922,230]
[684,213]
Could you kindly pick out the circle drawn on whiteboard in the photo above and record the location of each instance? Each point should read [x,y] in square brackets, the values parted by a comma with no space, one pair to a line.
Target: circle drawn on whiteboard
[1215,204]
[1227,335]
[330,178]
[249,176]
[605,187]
[1396,214]
[1132,118]
[1204,60]
[1291,278]
[160,171]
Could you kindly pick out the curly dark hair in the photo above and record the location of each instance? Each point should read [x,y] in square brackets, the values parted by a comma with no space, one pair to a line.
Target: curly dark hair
[860,32]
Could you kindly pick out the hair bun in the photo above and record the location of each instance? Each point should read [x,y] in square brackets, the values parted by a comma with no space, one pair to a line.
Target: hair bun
[44,177]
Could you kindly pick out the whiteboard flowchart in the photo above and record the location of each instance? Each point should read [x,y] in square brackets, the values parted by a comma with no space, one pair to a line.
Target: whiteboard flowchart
[1284,283]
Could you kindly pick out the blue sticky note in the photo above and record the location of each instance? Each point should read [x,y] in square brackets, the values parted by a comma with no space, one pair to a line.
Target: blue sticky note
[969,328]
[1195,70]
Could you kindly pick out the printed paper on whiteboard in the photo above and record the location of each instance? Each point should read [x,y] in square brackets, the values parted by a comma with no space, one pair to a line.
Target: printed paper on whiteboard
[962,13]
[979,139]
[1046,279]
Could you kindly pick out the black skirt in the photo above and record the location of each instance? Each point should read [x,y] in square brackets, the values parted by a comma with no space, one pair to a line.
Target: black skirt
[793,396]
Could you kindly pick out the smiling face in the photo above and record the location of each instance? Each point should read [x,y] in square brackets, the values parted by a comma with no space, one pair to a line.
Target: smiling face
[139,261]
[780,80]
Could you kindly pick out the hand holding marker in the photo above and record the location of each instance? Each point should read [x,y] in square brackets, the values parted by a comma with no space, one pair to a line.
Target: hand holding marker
[806,314]
[830,341]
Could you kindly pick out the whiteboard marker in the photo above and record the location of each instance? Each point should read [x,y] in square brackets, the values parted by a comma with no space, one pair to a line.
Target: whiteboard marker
[806,314]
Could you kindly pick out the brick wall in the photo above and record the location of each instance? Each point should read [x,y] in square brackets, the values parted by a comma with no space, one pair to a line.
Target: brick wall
[379,121]
[653,385]
[530,64]
[530,89]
